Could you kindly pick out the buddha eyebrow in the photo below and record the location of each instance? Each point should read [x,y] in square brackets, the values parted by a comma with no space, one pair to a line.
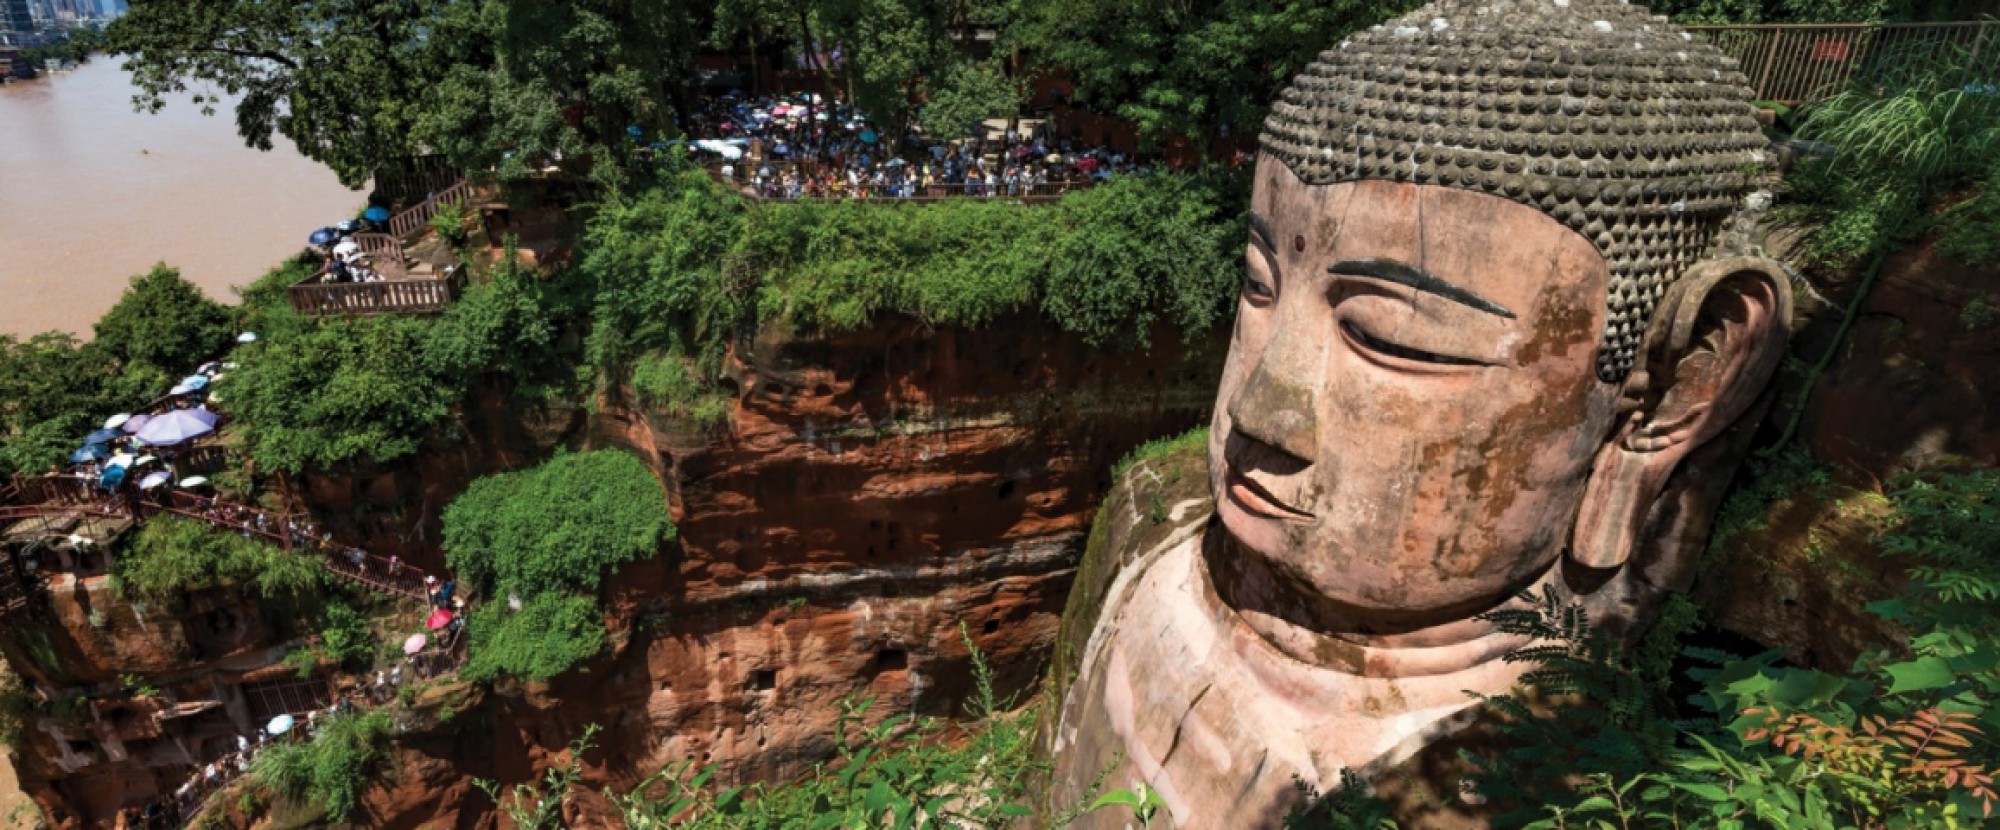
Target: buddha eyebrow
[1402,273]
[1262,228]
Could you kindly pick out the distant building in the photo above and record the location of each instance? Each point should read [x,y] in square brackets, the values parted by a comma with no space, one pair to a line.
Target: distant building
[17,21]
[13,65]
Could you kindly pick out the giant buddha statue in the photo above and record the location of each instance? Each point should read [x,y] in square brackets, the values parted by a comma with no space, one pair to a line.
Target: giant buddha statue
[1499,332]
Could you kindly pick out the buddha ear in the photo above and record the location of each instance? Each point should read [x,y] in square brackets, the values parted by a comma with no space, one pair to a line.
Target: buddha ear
[1715,340]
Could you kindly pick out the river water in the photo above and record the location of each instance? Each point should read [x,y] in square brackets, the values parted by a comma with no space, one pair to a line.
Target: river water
[92,193]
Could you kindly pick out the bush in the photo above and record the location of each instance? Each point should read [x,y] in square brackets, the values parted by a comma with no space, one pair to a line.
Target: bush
[681,265]
[546,536]
[347,754]
[167,322]
[171,556]
[551,634]
[556,527]
[337,392]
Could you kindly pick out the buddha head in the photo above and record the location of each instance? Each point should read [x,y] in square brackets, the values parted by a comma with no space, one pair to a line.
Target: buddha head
[1488,318]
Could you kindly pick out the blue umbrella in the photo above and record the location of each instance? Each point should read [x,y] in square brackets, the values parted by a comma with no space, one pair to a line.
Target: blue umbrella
[867,137]
[634,131]
[195,381]
[104,436]
[321,237]
[376,214]
[112,477]
[89,453]
[178,426]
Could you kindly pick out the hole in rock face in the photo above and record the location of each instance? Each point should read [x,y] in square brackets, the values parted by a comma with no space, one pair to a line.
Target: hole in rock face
[990,627]
[730,386]
[764,680]
[1006,490]
[666,685]
[823,391]
[892,659]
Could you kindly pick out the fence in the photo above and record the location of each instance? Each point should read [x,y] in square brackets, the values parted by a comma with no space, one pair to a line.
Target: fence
[379,246]
[917,193]
[420,295]
[412,179]
[1800,63]
[413,221]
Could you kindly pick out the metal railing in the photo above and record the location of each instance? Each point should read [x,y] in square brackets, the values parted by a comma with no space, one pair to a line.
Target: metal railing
[380,245]
[1800,63]
[901,193]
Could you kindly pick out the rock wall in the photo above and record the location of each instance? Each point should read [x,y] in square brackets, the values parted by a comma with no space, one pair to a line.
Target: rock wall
[874,495]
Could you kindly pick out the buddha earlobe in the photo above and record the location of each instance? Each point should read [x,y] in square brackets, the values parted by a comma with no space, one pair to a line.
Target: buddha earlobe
[1715,341]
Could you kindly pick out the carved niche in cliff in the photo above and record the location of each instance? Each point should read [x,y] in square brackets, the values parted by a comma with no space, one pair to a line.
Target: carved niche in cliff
[1493,337]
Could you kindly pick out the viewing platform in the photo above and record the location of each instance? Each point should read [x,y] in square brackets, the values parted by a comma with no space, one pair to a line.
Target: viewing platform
[405,286]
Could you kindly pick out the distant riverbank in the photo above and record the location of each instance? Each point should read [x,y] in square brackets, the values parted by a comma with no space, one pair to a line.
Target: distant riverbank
[95,193]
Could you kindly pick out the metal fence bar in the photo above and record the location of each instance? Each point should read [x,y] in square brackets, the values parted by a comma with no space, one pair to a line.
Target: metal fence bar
[1805,62]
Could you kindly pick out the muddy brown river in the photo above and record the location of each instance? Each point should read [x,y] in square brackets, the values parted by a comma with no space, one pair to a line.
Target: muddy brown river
[92,193]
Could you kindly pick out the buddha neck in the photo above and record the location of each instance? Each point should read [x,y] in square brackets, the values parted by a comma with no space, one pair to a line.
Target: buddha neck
[1312,630]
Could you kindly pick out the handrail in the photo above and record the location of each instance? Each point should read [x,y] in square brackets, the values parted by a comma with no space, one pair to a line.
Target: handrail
[70,495]
[418,217]
[379,245]
[1795,63]
[417,295]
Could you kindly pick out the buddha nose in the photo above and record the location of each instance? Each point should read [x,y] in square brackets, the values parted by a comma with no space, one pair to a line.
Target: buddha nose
[1276,406]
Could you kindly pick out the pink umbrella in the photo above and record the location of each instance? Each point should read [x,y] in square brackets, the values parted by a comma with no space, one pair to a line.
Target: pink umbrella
[414,644]
[439,619]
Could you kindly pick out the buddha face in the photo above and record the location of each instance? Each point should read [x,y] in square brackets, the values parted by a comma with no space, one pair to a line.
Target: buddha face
[1410,407]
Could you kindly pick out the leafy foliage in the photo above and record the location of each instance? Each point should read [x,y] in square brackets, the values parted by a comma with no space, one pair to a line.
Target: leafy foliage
[972,93]
[538,805]
[171,556]
[347,754]
[680,265]
[551,634]
[55,388]
[558,526]
[1903,739]
[545,536]
[323,393]
[1182,69]
[165,321]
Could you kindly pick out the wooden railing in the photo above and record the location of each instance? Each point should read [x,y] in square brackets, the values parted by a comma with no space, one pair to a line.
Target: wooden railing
[409,180]
[409,296]
[413,221]
[379,246]
[65,495]
[1801,63]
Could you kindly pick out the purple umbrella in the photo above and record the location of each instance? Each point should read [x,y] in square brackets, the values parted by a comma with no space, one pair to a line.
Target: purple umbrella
[178,426]
[136,422]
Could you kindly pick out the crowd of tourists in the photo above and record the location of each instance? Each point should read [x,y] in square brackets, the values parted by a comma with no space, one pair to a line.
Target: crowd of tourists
[800,146]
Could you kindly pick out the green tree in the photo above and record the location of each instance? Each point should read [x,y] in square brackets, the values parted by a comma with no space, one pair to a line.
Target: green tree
[1187,68]
[342,79]
[969,94]
[339,391]
[551,634]
[165,321]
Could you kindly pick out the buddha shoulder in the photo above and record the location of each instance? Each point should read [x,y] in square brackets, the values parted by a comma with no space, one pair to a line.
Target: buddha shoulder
[1160,498]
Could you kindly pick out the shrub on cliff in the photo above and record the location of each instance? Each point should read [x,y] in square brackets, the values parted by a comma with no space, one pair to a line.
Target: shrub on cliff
[683,264]
[346,755]
[556,527]
[551,634]
[542,539]
[171,556]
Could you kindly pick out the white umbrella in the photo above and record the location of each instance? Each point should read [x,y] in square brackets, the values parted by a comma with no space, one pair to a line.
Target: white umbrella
[117,420]
[123,459]
[155,479]
[192,482]
[247,337]
[279,725]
